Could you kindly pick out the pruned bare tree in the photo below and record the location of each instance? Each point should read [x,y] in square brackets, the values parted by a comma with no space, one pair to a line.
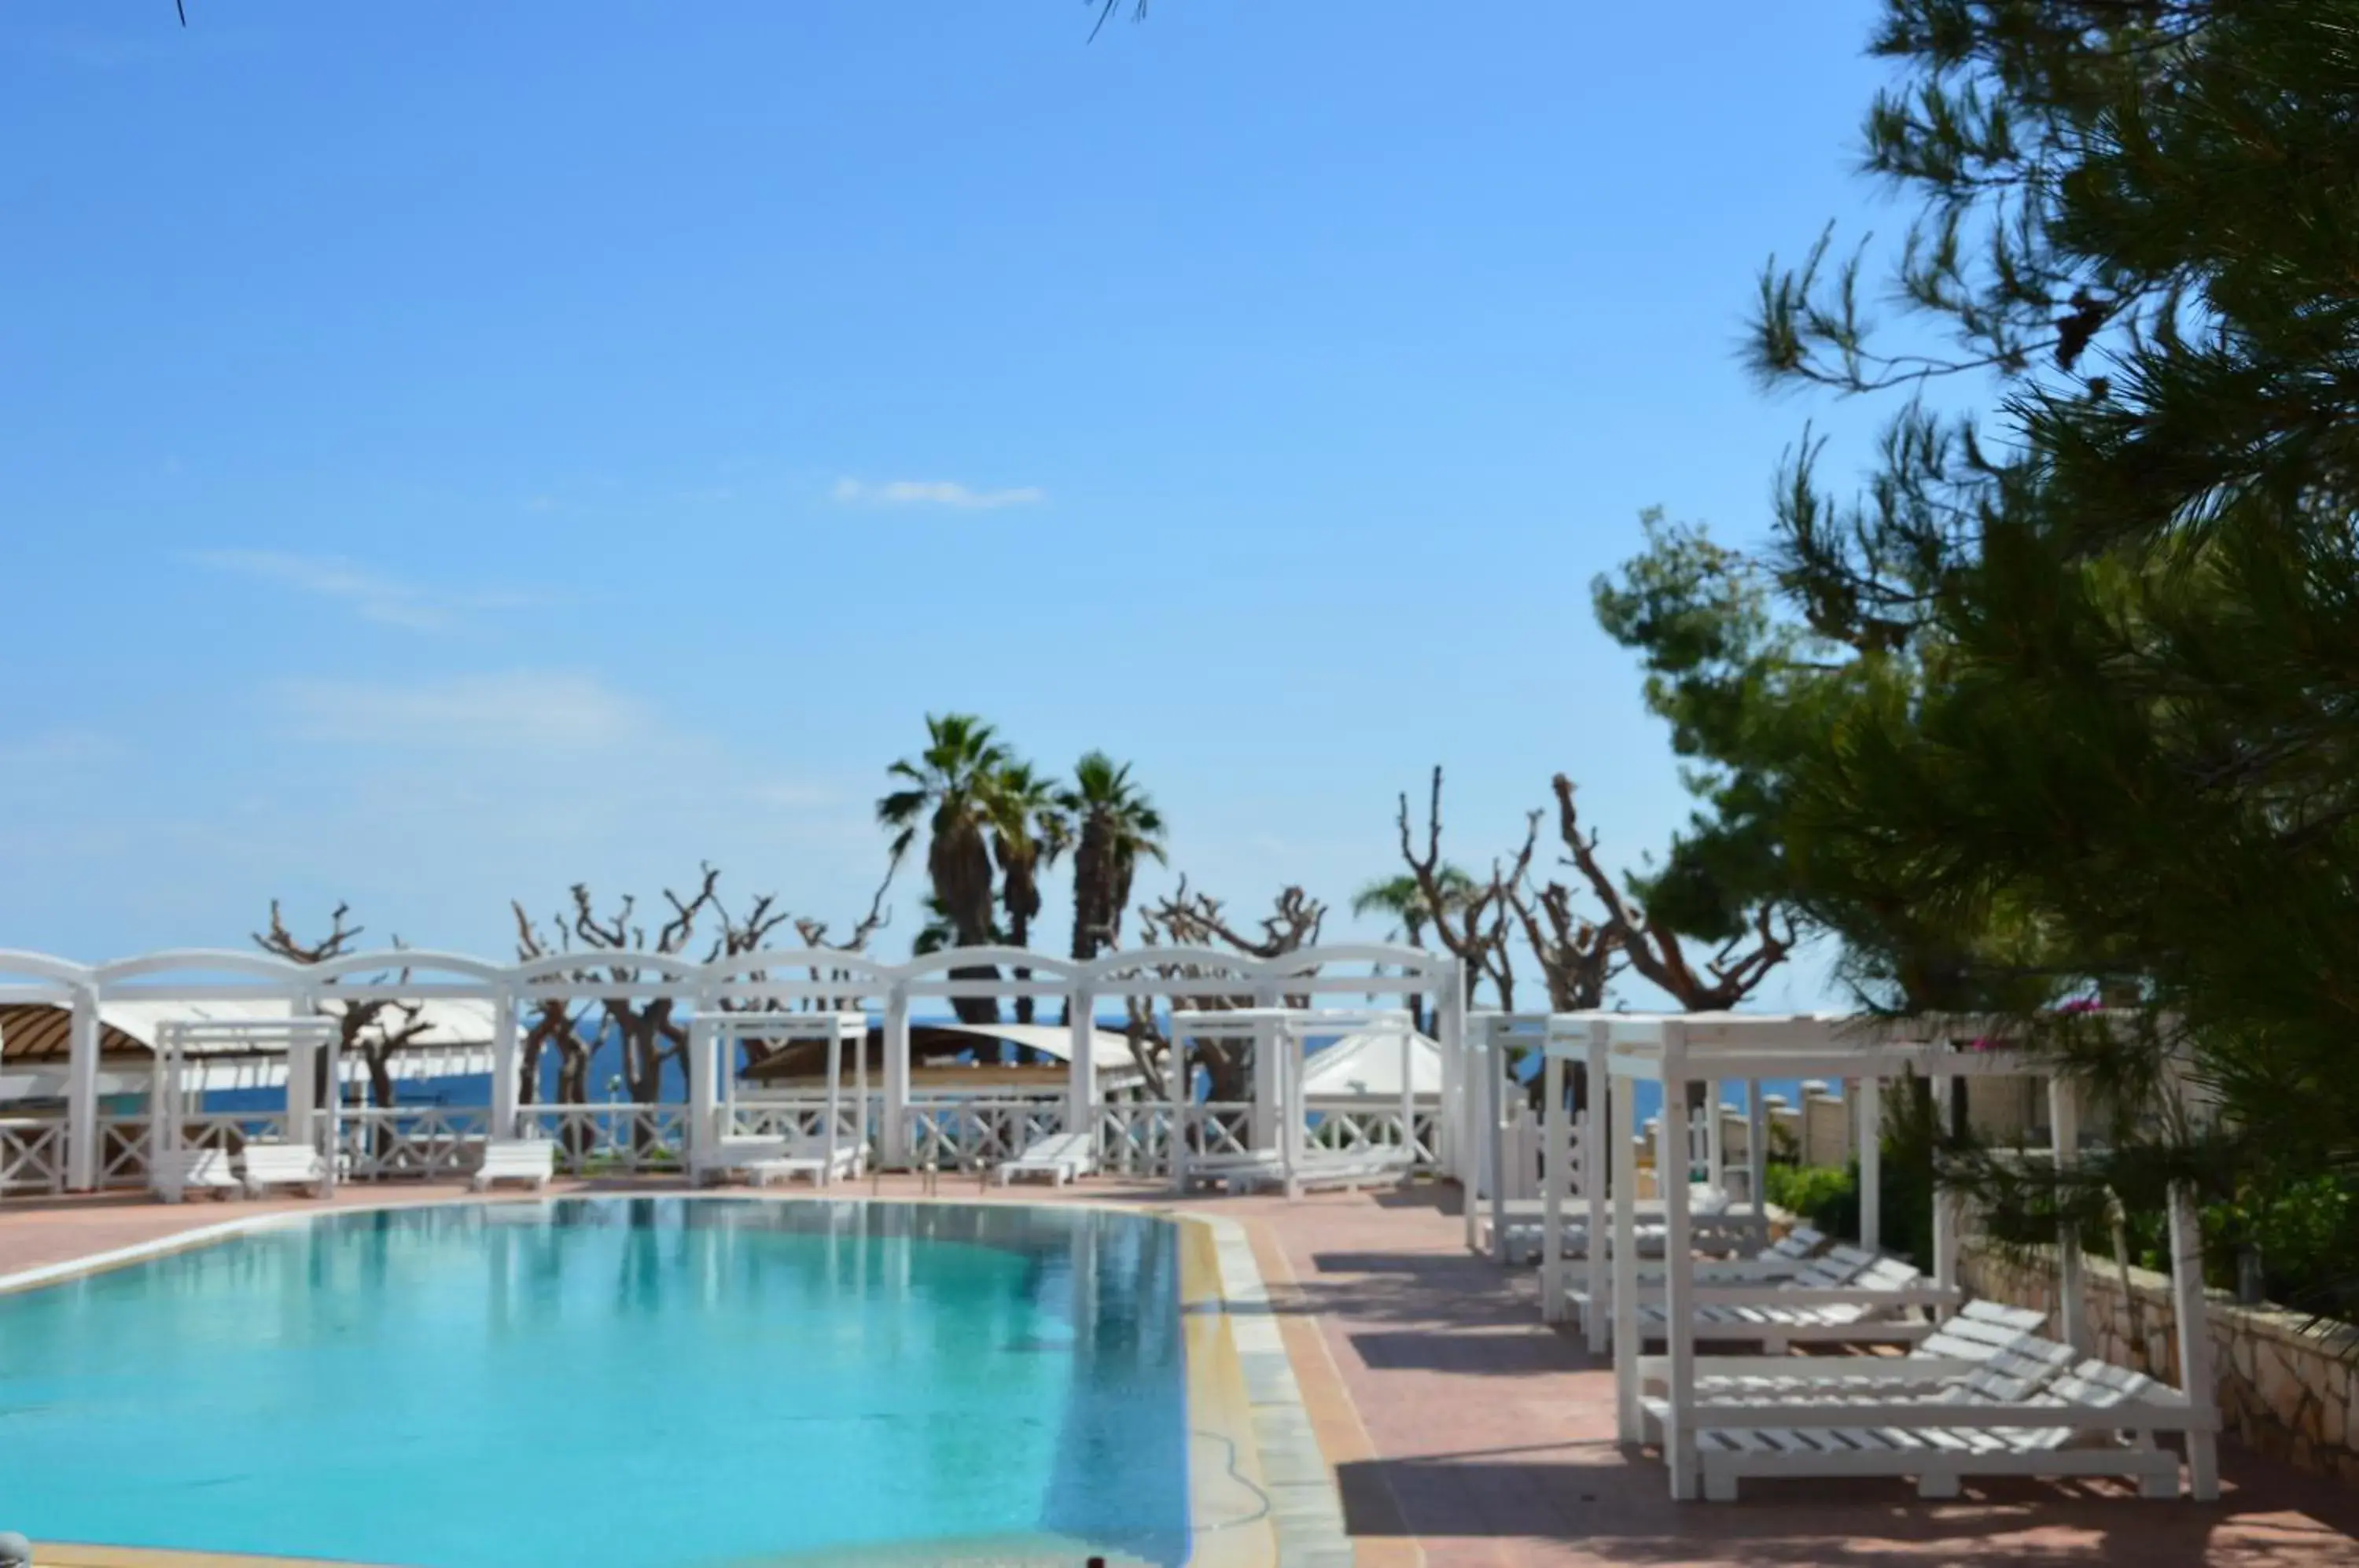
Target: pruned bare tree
[1472,924]
[370,1032]
[1186,919]
[651,1033]
[814,933]
[1733,970]
[554,1021]
[1578,956]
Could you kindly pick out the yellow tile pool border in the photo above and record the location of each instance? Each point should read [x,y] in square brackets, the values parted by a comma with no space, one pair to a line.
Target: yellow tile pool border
[1231,1524]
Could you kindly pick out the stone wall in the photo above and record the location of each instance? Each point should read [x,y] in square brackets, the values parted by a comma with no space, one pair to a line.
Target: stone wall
[2284,1391]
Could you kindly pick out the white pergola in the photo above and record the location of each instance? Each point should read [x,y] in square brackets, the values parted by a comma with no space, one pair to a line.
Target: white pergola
[311,1048]
[713,1056]
[775,983]
[1677,1049]
[1278,1123]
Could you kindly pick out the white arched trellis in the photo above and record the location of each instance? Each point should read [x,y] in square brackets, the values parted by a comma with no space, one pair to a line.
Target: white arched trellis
[792,979]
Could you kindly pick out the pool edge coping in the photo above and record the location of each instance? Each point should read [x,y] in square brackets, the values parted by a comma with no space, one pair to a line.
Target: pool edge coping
[1304,1507]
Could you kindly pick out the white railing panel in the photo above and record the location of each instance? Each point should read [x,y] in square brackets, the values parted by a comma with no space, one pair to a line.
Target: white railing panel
[1353,1129]
[426,1142]
[32,1154]
[611,1139]
[964,1134]
[122,1140]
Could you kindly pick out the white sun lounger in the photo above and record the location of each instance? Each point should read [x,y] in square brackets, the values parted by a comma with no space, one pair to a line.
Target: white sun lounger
[528,1160]
[1318,1170]
[734,1156]
[272,1164]
[203,1170]
[808,1158]
[1062,1158]
[2029,1407]
[1712,1227]
[1848,1297]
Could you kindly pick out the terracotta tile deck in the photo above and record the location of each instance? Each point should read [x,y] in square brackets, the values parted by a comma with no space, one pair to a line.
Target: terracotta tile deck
[1461,1427]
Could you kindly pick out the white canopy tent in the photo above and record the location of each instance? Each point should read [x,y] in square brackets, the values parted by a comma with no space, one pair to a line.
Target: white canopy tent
[1369,1065]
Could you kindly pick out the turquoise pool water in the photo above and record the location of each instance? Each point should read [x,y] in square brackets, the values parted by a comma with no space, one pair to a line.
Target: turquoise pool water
[659,1382]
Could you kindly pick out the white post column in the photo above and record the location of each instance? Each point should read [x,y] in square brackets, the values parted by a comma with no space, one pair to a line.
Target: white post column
[1262,1122]
[330,1048]
[304,1070]
[1178,1085]
[1715,1136]
[1081,1075]
[1627,1345]
[2190,1316]
[833,1130]
[703,1099]
[507,1086]
[893,1136]
[857,1023]
[1679,1270]
[1450,1019]
[2072,1305]
[164,1117]
[1595,1136]
[1870,1163]
[82,1163]
[1756,1153]
[1408,1090]
[1494,1131]
[1556,1126]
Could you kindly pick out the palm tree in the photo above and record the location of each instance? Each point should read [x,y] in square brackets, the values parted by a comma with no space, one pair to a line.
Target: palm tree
[1114,823]
[936,933]
[1403,898]
[1028,832]
[952,793]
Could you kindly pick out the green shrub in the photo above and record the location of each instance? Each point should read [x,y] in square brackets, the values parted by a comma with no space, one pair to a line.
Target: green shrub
[1818,1193]
[1828,1197]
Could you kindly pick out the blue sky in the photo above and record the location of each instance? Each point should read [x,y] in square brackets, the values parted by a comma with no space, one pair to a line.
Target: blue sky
[448,452]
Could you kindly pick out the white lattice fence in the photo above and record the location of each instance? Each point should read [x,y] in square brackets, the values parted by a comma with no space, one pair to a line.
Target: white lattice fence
[123,1141]
[1135,1137]
[1353,1129]
[798,1119]
[964,1133]
[1219,1127]
[424,1141]
[611,1139]
[33,1154]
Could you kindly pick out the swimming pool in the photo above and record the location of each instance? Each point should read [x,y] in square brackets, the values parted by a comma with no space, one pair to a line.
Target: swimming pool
[661,1382]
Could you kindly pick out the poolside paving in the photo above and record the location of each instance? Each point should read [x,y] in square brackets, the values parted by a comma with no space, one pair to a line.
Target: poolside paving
[1463,1432]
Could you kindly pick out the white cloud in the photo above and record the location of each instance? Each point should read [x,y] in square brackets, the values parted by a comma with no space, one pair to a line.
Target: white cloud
[376,595]
[518,709]
[933,493]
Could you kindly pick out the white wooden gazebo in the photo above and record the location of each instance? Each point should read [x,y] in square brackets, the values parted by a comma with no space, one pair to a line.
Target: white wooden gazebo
[1277,1142]
[713,1044]
[1677,1049]
[308,1044]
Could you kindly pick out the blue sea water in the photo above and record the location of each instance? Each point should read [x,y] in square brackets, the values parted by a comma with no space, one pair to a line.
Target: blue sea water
[659,1382]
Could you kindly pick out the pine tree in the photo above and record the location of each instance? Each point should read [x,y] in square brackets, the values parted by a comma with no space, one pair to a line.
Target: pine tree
[2103,731]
